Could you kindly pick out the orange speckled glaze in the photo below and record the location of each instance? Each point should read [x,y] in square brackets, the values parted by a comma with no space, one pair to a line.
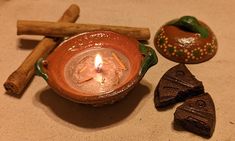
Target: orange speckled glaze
[179,45]
[58,59]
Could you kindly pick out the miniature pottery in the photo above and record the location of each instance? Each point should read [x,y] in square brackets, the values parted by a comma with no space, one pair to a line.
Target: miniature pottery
[186,40]
[52,69]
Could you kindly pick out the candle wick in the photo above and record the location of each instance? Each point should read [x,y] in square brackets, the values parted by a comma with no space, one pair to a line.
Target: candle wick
[98,69]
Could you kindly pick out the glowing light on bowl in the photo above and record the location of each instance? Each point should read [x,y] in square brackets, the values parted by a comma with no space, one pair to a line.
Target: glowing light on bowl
[98,63]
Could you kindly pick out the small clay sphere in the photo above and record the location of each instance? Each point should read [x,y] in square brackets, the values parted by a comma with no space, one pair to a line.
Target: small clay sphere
[186,40]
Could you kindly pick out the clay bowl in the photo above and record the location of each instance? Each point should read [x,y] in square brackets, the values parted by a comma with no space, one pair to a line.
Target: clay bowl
[140,57]
[186,40]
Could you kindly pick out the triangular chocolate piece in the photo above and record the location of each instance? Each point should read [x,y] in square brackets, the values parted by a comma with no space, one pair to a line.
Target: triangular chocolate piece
[197,115]
[176,84]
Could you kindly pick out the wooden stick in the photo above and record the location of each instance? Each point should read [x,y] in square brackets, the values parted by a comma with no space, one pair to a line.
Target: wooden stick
[18,80]
[85,80]
[68,29]
[119,61]
[84,68]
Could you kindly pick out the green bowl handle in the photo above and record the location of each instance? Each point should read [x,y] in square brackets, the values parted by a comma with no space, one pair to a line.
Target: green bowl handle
[39,69]
[150,58]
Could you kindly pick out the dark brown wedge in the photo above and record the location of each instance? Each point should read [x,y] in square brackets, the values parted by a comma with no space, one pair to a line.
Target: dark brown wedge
[177,84]
[197,115]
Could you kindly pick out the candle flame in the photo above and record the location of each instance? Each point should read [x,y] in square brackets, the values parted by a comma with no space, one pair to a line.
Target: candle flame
[98,62]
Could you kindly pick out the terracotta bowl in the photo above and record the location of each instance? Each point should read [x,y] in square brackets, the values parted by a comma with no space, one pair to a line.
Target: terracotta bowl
[186,40]
[140,57]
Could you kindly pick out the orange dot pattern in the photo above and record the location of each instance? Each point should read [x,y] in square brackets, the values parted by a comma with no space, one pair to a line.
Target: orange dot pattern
[186,54]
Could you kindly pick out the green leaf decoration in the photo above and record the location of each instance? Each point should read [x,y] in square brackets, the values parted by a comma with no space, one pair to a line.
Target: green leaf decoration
[191,24]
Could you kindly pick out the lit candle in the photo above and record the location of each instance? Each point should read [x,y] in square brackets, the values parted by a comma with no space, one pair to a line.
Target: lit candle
[98,67]
[98,63]
[97,70]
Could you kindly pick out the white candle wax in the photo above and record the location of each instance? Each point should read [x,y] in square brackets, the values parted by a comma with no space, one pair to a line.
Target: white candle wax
[82,73]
